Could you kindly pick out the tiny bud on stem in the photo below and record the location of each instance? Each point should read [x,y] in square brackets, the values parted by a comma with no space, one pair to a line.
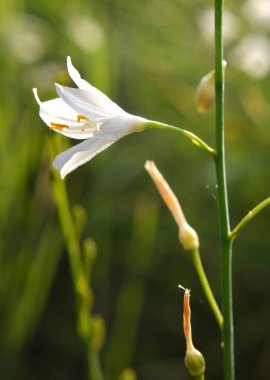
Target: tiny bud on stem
[205,92]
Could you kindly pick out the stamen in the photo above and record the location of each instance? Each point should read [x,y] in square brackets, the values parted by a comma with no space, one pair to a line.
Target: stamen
[81,117]
[58,127]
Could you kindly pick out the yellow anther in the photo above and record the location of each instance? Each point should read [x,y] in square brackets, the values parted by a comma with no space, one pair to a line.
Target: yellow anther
[58,126]
[81,117]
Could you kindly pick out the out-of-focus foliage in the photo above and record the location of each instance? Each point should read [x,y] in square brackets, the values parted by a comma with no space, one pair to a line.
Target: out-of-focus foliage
[148,56]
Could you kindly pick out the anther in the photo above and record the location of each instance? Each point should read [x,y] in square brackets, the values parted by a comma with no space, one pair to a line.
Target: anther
[58,127]
[81,117]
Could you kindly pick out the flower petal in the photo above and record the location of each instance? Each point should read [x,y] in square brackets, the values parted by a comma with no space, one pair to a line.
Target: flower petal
[97,97]
[80,100]
[79,154]
[63,119]
[111,130]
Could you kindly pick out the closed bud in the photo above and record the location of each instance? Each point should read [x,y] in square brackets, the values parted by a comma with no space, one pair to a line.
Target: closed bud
[187,235]
[98,332]
[89,253]
[128,374]
[205,92]
[195,362]
[80,217]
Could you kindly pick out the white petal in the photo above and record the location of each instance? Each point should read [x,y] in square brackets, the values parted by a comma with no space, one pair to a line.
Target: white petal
[97,97]
[80,100]
[81,153]
[111,130]
[58,112]
[122,125]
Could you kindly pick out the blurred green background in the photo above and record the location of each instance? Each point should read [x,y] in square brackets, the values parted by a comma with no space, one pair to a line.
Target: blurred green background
[148,56]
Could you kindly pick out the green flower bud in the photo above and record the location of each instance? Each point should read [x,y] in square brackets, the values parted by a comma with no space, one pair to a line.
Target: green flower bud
[128,374]
[98,332]
[188,237]
[195,362]
[80,217]
[89,253]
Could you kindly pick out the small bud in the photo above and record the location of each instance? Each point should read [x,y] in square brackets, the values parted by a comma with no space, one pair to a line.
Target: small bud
[195,363]
[205,92]
[89,253]
[80,217]
[128,374]
[194,360]
[187,235]
[98,332]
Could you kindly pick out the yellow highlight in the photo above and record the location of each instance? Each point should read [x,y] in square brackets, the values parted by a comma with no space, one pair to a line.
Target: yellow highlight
[58,127]
[81,117]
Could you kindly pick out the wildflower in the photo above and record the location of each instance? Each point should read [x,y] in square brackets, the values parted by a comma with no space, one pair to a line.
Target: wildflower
[187,235]
[85,113]
[194,360]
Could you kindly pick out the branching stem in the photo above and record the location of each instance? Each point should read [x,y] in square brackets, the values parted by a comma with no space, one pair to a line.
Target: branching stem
[250,215]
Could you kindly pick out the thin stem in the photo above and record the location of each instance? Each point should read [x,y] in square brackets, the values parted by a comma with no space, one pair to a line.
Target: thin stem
[250,215]
[94,366]
[200,377]
[78,274]
[61,198]
[194,139]
[206,287]
[227,330]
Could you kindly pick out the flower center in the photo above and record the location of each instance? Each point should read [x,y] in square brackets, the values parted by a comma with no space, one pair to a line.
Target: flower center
[82,120]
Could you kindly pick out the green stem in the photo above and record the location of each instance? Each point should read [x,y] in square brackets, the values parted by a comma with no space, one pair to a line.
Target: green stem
[194,139]
[200,377]
[78,274]
[206,287]
[94,366]
[250,215]
[61,198]
[227,330]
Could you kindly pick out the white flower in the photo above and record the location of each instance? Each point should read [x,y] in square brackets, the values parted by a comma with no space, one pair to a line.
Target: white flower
[85,113]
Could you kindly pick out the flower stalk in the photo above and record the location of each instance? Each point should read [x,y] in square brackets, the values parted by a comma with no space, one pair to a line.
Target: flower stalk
[191,136]
[250,215]
[226,246]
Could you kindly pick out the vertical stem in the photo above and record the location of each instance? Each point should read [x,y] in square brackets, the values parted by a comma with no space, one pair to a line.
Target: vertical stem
[227,330]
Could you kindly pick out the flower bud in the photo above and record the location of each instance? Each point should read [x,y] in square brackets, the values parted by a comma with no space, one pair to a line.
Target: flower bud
[194,360]
[187,235]
[98,332]
[128,374]
[89,253]
[205,92]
